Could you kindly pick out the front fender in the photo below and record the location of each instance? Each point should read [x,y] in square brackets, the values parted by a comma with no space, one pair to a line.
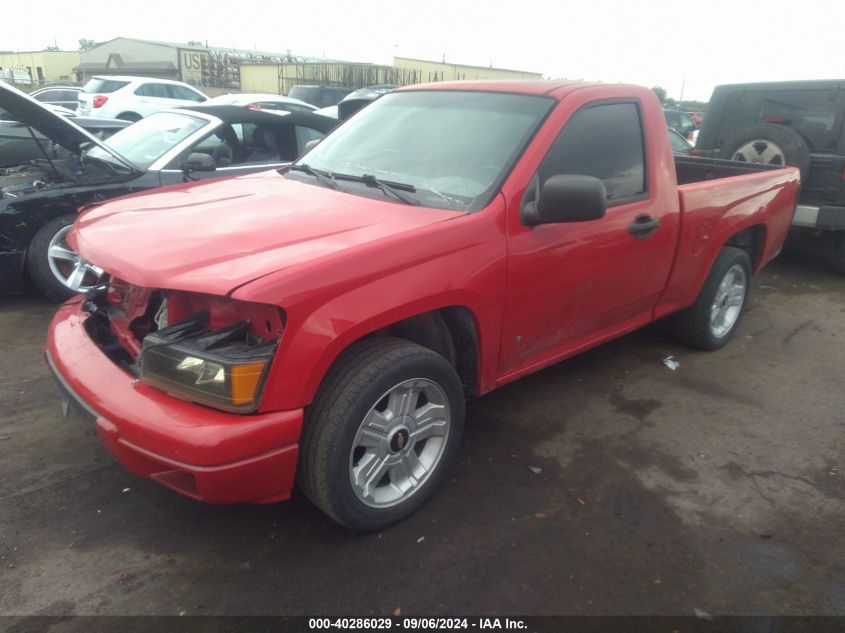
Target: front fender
[330,305]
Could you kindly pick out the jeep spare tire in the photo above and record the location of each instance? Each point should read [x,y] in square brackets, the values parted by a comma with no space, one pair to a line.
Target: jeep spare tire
[770,144]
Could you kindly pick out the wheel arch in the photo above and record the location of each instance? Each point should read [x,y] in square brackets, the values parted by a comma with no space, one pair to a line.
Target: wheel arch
[452,332]
[683,290]
[751,240]
[452,329]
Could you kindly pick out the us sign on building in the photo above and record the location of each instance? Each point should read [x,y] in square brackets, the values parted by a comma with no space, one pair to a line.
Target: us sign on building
[191,64]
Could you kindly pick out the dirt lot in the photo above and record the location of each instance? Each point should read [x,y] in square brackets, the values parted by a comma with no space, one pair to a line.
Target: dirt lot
[718,486]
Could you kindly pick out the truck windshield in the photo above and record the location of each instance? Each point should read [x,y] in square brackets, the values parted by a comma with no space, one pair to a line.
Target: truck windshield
[448,149]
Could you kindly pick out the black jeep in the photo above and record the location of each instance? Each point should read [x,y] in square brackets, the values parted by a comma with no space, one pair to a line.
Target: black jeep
[788,123]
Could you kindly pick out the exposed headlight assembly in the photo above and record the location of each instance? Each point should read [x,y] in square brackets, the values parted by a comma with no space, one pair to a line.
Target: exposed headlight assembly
[224,368]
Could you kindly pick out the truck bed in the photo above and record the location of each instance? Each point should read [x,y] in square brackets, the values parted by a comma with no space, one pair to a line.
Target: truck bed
[691,169]
[723,198]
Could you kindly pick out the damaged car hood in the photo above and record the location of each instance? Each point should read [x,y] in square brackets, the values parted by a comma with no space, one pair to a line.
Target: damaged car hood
[218,235]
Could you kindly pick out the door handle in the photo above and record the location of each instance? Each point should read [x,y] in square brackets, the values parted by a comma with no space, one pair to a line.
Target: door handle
[643,226]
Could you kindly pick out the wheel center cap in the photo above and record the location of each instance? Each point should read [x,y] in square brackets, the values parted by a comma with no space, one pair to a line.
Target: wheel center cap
[400,439]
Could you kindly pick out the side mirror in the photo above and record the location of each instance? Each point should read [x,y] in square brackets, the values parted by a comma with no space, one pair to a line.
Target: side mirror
[198,162]
[567,198]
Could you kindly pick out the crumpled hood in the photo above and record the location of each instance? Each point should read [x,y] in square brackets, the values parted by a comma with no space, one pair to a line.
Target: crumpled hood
[215,236]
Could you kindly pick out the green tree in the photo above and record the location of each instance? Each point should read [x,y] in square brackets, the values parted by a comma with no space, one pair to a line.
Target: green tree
[660,92]
[52,48]
[85,45]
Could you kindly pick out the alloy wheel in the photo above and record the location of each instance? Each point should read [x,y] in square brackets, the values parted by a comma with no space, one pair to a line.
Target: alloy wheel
[399,443]
[68,266]
[727,305]
[760,151]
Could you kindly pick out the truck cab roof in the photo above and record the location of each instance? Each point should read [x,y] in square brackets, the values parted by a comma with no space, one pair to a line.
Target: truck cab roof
[555,87]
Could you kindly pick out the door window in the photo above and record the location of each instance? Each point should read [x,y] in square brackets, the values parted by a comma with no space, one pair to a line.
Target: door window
[103,86]
[185,94]
[811,113]
[48,96]
[153,90]
[605,141]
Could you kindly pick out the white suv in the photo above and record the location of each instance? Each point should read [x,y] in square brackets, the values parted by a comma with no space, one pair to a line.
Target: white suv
[133,98]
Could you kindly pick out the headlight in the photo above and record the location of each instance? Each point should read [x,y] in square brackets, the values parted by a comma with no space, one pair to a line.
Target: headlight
[224,368]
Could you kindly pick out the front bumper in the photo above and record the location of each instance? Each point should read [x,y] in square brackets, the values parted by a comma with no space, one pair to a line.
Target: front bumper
[825,218]
[203,453]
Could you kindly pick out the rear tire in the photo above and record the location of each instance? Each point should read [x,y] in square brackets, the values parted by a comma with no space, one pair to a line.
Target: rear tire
[711,321]
[129,116]
[381,433]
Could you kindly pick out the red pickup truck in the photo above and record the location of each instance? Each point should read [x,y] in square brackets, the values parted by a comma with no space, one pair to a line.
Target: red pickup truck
[326,323]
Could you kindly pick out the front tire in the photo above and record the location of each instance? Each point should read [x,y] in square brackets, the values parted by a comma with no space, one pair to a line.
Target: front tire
[54,267]
[381,434]
[711,321]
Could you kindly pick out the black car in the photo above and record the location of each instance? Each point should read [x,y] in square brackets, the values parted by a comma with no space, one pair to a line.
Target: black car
[797,123]
[17,144]
[319,96]
[354,101]
[39,198]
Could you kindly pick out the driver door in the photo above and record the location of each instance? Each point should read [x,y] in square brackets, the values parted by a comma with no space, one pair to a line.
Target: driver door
[573,284]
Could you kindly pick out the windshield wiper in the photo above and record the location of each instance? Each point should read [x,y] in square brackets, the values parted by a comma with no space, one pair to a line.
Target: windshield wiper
[323,176]
[393,188]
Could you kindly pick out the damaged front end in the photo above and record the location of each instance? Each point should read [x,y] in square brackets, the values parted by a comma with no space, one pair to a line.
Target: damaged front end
[204,349]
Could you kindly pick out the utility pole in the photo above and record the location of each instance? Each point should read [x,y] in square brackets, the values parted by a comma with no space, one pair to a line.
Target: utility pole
[683,85]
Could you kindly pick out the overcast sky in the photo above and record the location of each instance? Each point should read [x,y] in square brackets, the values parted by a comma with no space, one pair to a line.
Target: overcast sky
[651,42]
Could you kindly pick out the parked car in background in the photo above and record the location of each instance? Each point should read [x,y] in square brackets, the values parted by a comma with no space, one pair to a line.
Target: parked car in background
[327,323]
[354,101]
[329,111]
[680,145]
[697,117]
[39,198]
[65,96]
[100,127]
[256,101]
[319,96]
[681,123]
[796,123]
[133,98]
[19,143]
